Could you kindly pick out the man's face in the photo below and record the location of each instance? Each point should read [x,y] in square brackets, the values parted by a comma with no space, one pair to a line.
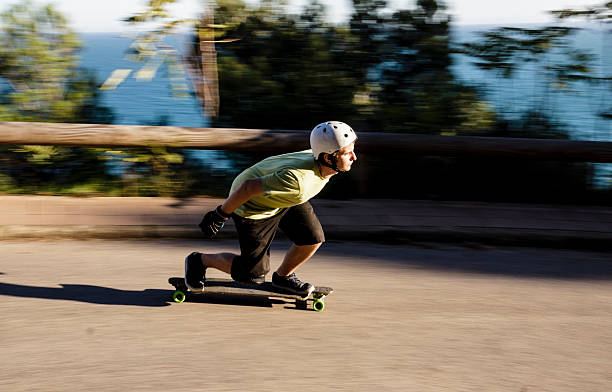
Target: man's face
[346,156]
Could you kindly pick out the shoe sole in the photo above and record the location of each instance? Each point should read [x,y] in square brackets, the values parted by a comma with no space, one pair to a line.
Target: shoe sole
[194,289]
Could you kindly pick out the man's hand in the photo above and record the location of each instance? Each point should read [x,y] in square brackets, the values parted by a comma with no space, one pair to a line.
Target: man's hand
[213,222]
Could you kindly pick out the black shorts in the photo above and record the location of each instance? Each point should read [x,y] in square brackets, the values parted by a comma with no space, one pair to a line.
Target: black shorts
[300,225]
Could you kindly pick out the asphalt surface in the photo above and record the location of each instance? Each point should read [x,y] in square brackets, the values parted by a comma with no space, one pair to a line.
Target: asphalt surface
[381,221]
[97,316]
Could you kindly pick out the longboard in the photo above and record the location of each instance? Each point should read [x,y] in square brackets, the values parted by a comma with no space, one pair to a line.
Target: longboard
[266,289]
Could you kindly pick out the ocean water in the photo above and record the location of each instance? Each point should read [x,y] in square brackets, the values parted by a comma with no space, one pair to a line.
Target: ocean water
[145,103]
[577,110]
[142,103]
[136,102]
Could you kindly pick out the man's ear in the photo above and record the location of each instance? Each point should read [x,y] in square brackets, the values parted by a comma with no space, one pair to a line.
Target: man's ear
[325,157]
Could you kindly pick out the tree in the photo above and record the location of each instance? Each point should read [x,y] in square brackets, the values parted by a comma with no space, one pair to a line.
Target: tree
[557,66]
[151,49]
[382,72]
[410,87]
[283,72]
[386,71]
[597,13]
[601,12]
[506,49]
[39,63]
[44,82]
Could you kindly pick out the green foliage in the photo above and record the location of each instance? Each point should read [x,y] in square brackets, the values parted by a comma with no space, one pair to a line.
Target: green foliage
[598,13]
[601,12]
[39,64]
[387,72]
[381,72]
[44,83]
[549,50]
[506,49]
[38,60]
[391,72]
[284,71]
[151,49]
[155,10]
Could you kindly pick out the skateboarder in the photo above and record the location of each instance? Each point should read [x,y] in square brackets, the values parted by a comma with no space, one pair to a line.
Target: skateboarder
[271,194]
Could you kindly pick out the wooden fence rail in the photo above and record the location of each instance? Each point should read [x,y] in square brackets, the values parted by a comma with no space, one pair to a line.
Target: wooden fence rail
[96,135]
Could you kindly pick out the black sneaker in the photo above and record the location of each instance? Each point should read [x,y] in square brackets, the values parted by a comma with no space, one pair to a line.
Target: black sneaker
[293,284]
[249,280]
[195,272]
[253,281]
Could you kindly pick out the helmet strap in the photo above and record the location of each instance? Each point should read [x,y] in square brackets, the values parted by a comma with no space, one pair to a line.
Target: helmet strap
[334,163]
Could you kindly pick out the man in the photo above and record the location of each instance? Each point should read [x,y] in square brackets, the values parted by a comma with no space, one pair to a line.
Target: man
[271,194]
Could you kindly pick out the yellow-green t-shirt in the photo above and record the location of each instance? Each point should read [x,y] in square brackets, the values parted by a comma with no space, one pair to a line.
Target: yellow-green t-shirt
[288,180]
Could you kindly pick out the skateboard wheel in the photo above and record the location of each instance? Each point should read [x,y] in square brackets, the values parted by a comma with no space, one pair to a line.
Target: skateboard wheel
[318,305]
[178,296]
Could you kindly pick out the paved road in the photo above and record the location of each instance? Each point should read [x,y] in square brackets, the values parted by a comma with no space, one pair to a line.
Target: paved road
[95,316]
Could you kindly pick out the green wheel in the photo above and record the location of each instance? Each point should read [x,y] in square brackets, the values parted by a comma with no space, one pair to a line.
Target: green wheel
[318,305]
[178,296]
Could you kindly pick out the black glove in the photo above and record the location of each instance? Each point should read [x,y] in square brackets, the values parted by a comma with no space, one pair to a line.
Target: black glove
[213,221]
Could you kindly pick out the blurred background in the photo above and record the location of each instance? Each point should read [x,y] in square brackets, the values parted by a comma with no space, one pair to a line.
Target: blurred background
[419,67]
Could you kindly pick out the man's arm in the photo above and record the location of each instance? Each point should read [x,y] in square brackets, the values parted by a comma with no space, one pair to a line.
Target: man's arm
[213,221]
[246,190]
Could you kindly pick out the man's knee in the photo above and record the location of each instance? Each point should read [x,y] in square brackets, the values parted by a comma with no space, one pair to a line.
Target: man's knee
[309,249]
[310,246]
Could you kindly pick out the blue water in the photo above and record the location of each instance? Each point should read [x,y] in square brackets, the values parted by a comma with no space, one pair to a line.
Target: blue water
[577,110]
[136,102]
[144,103]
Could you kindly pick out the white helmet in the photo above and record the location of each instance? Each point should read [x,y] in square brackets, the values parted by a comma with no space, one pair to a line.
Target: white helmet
[330,136]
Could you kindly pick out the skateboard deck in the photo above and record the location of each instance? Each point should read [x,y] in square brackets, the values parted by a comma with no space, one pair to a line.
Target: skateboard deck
[266,289]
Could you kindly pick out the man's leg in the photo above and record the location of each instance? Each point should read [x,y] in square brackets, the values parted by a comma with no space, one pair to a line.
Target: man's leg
[303,228]
[197,263]
[255,238]
[296,256]
[220,261]
[285,278]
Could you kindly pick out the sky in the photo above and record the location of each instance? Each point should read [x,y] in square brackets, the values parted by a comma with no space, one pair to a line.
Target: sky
[106,15]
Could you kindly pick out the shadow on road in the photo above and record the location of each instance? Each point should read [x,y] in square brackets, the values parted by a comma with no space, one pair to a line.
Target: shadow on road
[521,262]
[242,300]
[109,296]
[230,300]
[517,262]
[90,294]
